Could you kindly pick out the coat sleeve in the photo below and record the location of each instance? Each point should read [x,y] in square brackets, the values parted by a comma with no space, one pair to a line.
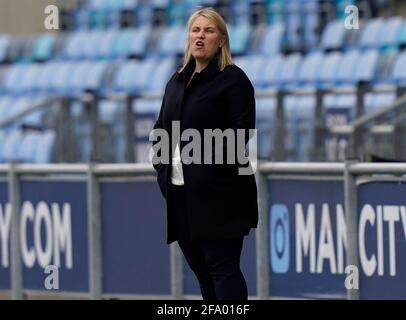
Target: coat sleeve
[159,125]
[241,106]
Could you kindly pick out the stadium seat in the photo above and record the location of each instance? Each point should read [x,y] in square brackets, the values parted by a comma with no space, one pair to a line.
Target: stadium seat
[272,69]
[164,69]
[171,41]
[310,24]
[273,40]
[125,74]
[376,101]
[239,36]
[333,36]
[370,34]
[293,24]
[346,69]
[398,74]
[45,148]
[11,144]
[27,147]
[310,69]
[138,45]
[290,70]
[328,69]
[44,47]
[389,34]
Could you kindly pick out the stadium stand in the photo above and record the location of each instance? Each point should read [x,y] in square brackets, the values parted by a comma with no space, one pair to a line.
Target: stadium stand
[130,48]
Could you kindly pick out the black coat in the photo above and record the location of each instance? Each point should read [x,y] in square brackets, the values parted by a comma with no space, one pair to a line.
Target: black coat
[221,203]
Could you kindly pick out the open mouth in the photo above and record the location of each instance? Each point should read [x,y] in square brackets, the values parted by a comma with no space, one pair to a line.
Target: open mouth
[199,44]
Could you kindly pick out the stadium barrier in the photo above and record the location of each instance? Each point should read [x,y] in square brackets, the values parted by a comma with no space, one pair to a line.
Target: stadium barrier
[102,228]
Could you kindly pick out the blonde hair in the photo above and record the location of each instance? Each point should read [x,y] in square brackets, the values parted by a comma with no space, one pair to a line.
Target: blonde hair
[225,58]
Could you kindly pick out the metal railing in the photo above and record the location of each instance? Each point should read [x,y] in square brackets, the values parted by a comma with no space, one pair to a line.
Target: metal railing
[348,171]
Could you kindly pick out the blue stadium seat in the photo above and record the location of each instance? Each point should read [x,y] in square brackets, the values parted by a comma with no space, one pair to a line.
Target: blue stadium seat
[94,80]
[389,34]
[34,119]
[346,70]
[97,4]
[328,69]
[46,77]
[74,44]
[310,68]
[254,68]
[105,50]
[86,76]
[11,145]
[13,77]
[273,39]
[125,75]
[5,104]
[239,36]
[171,41]
[44,47]
[366,66]
[45,147]
[63,72]
[370,32]
[384,66]
[138,45]
[275,11]
[333,36]
[341,5]
[164,69]
[91,48]
[122,43]
[310,23]
[270,76]
[377,101]
[290,70]
[401,40]
[29,82]
[21,104]
[398,74]
[109,110]
[145,72]
[293,24]
[26,149]
[160,3]
[240,12]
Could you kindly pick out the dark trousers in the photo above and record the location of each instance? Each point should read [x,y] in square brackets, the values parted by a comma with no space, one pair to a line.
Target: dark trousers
[216,263]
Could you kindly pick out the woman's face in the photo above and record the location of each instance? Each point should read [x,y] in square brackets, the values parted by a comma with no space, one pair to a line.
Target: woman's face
[204,39]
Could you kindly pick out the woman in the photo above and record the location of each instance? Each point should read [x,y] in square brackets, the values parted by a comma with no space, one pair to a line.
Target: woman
[210,207]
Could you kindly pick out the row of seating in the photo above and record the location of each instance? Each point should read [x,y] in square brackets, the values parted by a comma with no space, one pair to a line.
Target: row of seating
[315,69]
[106,14]
[73,78]
[27,146]
[325,70]
[376,33]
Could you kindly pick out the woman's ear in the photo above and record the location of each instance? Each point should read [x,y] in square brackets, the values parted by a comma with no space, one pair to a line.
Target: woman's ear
[222,42]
